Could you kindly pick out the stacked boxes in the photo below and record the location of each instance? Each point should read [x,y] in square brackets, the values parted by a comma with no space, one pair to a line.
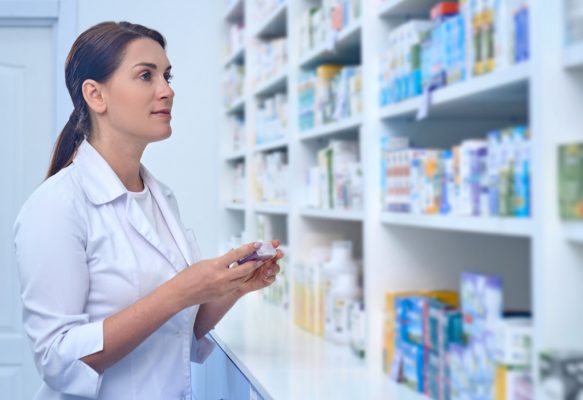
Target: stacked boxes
[271,177]
[233,84]
[462,39]
[328,94]
[271,119]
[475,352]
[320,26]
[477,178]
[336,182]
[270,59]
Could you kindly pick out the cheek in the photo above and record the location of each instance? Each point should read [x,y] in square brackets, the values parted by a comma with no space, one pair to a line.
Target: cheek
[129,107]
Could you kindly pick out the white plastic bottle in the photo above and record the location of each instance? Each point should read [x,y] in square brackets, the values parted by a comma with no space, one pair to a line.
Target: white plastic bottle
[344,291]
[340,262]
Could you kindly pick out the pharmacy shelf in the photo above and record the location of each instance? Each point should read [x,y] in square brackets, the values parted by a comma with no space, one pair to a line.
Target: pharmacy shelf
[345,49]
[573,56]
[235,206]
[339,215]
[236,57]
[276,144]
[484,225]
[275,85]
[347,125]
[573,231]
[406,8]
[274,24]
[290,363]
[273,209]
[235,11]
[501,93]
[235,156]
[237,107]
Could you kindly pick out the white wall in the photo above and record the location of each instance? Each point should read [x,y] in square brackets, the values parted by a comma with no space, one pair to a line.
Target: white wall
[187,162]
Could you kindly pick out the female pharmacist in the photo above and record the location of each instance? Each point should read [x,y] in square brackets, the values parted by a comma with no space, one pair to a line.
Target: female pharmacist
[116,297]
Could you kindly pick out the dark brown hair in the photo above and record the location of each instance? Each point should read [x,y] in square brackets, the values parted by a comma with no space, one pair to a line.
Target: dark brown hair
[96,54]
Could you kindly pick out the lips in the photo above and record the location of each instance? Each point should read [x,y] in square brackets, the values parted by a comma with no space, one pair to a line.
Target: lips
[162,112]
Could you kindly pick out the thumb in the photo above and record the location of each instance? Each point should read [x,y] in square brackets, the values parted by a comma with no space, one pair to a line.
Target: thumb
[238,253]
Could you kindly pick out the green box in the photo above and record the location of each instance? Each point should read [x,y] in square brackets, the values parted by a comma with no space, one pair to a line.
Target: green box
[571,181]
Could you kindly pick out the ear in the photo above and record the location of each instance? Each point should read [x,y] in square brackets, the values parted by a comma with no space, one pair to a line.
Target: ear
[93,95]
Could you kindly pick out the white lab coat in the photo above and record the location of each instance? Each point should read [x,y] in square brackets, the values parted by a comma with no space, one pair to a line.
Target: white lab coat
[85,250]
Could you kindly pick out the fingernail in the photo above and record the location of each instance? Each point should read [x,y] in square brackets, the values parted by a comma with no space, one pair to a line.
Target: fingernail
[257,245]
[269,271]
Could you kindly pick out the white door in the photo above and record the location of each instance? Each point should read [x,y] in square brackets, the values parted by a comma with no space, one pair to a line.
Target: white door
[27,104]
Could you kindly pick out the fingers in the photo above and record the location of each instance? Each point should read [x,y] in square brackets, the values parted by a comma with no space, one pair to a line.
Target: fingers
[243,270]
[270,271]
[238,253]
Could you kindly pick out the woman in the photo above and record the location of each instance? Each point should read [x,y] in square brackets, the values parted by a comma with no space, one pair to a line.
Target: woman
[116,299]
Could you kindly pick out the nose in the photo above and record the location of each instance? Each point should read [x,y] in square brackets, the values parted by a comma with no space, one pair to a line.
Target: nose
[166,91]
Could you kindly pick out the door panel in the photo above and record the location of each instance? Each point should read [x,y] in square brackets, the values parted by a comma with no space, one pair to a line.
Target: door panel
[26,121]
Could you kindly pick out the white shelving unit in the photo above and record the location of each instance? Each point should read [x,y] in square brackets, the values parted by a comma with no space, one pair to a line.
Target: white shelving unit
[235,11]
[348,125]
[274,23]
[539,258]
[490,226]
[339,49]
[235,206]
[277,84]
[274,145]
[338,215]
[234,156]
[273,209]
[238,55]
[237,106]
[498,94]
[405,8]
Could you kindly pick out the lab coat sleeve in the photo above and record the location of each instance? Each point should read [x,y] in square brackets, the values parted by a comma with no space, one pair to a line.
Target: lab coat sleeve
[50,241]
[201,349]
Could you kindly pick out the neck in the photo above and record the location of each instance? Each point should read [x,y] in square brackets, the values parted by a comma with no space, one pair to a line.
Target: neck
[123,157]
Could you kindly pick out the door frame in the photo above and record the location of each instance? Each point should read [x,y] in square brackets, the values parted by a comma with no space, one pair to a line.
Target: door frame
[61,15]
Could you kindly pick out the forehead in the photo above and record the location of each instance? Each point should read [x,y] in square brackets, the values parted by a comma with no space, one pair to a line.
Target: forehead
[145,50]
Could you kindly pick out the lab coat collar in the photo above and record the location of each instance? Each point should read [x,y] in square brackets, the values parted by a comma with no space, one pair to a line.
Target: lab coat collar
[98,180]
[102,185]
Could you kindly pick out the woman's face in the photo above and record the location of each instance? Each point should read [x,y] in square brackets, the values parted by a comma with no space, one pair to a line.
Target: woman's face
[138,95]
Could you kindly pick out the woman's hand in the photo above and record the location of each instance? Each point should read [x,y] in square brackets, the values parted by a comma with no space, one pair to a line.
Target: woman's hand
[208,280]
[263,276]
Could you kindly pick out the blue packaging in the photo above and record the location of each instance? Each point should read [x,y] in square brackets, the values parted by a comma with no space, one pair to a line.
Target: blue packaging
[413,366]
[521,195]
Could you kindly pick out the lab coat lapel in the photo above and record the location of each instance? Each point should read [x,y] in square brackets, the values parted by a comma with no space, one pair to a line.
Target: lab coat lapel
[174,225]
[139,221]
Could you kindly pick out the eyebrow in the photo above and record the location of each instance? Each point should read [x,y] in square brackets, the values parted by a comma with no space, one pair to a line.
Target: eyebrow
[150,65]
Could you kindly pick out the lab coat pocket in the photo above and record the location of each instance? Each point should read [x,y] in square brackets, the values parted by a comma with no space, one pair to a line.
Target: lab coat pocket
[193,245]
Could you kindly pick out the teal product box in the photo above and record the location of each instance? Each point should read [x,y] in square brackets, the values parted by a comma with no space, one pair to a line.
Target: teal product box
[482,304]
[443,327]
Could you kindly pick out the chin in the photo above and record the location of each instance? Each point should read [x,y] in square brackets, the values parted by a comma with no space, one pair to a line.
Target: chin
[161,136]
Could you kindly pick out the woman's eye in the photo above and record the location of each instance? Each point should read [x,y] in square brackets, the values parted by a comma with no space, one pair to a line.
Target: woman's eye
[169,77]
[146,76]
